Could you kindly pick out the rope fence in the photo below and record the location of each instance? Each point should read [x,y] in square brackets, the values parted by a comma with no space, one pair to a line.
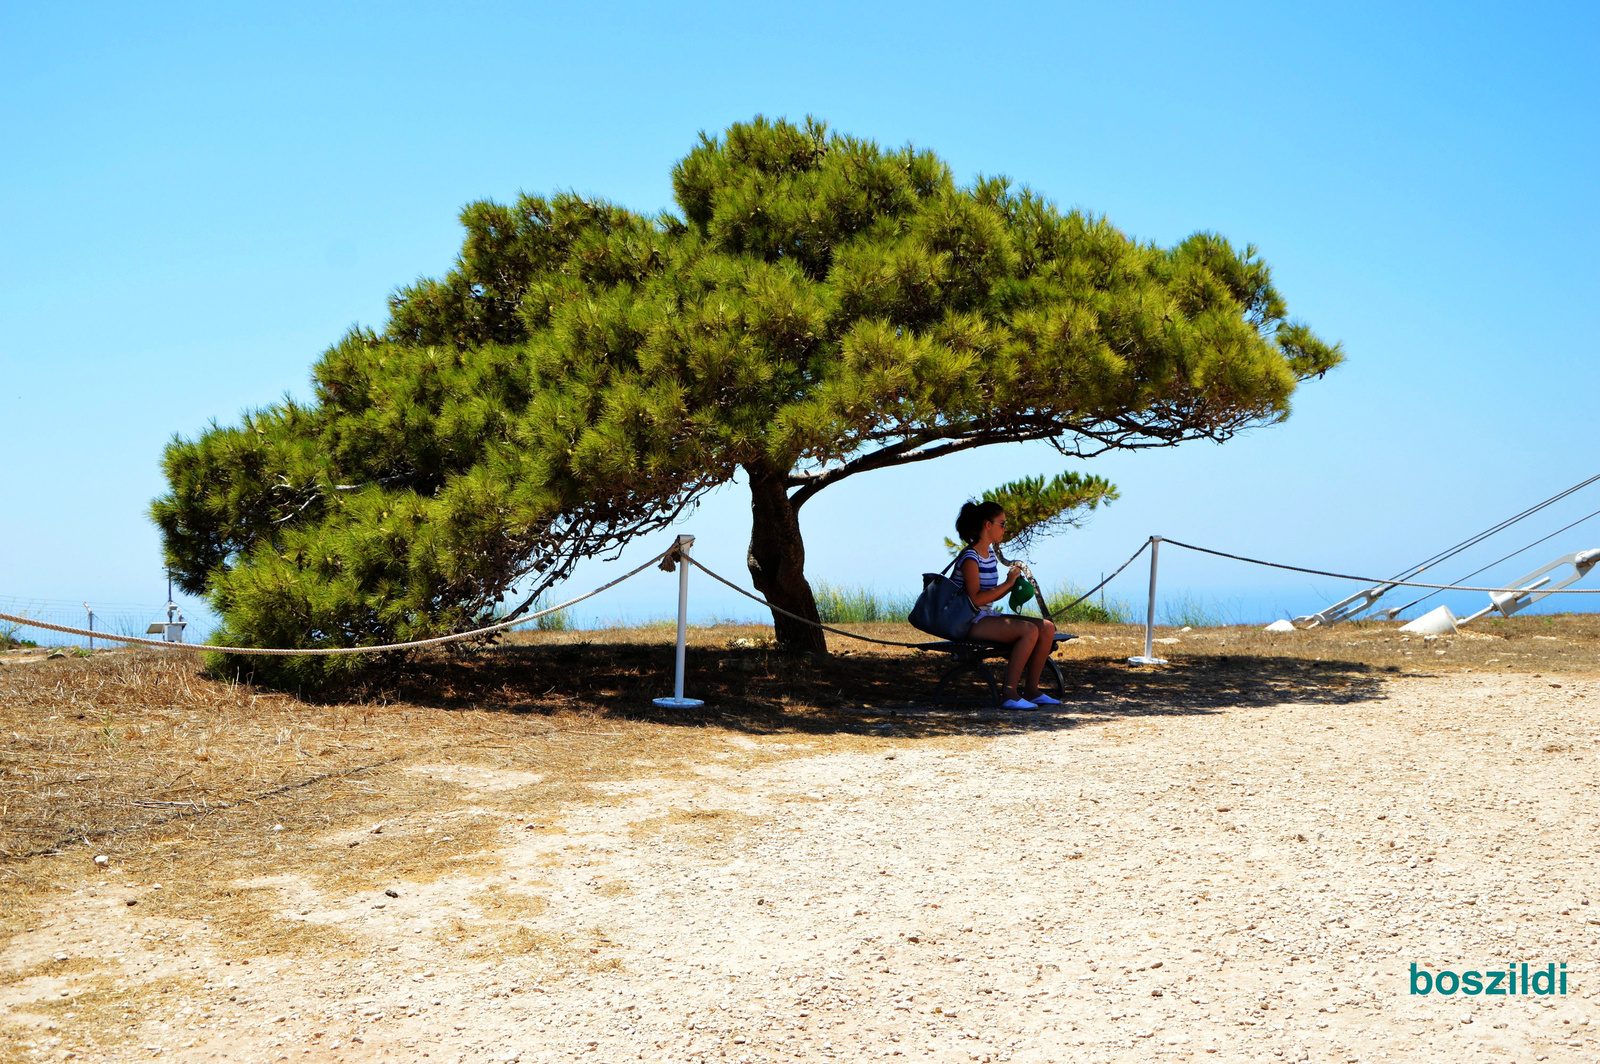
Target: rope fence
[162,644]
[795,616]
[677,552]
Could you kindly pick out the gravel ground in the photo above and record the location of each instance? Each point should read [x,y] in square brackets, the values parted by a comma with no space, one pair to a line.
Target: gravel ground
[1249,882]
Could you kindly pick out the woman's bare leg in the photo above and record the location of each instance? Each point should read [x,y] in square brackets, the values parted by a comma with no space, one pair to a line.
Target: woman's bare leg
[1044,643]
[1021,633]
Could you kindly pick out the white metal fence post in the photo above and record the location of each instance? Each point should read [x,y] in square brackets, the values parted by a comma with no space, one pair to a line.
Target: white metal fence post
[677,701]
[1147,657]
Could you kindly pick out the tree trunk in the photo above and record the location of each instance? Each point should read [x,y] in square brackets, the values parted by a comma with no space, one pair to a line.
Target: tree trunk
[777,561]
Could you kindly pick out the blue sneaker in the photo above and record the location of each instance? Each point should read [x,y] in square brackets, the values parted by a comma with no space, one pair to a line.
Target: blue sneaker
[1017,703]
[1044,700]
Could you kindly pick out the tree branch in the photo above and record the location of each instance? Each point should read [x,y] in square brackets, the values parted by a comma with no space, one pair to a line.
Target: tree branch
[1165,424]
[912,450]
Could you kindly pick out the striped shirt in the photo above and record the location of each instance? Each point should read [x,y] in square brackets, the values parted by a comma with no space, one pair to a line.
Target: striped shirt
[988,575]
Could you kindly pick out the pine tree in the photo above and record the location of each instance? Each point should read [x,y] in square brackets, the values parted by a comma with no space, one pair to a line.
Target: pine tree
[821,307]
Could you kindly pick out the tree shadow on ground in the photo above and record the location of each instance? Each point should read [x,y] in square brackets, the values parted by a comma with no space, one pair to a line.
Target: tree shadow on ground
[762,691]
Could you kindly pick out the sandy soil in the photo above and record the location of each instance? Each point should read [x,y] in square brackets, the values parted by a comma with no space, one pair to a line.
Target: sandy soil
[1221,883]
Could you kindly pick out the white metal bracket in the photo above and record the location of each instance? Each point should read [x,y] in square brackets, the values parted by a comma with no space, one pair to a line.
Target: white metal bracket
[1343,610]
[1532,588]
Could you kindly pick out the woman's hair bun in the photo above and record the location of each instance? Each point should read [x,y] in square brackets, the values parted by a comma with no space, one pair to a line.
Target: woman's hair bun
[972,518]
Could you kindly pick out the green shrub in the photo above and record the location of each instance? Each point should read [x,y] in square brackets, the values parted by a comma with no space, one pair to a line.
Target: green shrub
[9,640]
[1094,610]
[645,624]
[840,604]
[1187,610]
[559,621]
[855,604]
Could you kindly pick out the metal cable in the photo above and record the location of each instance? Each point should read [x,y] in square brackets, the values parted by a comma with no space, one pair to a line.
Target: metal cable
[1107,580]
[1508,557]
[1473,541]
[1372,579]
[162,644]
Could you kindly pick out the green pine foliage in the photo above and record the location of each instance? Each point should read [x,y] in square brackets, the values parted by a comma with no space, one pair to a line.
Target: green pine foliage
[1036,508]
[819,307]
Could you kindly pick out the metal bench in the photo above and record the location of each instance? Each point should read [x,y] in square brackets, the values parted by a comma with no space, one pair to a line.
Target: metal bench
[973,655]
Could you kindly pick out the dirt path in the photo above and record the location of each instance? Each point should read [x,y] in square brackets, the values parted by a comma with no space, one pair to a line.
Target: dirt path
[1248,883]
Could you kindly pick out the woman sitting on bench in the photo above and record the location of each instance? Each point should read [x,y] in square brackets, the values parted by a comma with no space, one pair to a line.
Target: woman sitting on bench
[981,525]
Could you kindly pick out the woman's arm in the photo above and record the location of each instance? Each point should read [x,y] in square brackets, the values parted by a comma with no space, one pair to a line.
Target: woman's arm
[969,579]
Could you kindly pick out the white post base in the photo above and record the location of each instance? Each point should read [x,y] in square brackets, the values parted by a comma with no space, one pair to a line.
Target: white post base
[1142,660]
[678,703]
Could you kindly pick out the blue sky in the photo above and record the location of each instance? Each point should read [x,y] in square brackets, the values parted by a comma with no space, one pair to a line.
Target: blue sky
[196,200]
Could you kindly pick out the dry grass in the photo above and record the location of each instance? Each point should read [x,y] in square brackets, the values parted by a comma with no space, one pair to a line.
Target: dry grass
[1569,642]
[99,1003]
[232,798]
[139,738]
[94,748]
[200,785]
[704,827]
[503,930]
